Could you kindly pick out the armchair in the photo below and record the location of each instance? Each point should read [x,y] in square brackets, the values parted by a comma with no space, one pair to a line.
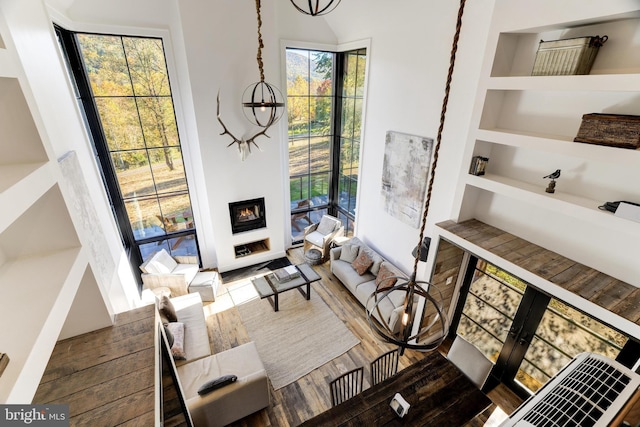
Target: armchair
[322,234]
[162,270]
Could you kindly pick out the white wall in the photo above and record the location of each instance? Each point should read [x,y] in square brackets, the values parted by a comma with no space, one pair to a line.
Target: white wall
[409,60]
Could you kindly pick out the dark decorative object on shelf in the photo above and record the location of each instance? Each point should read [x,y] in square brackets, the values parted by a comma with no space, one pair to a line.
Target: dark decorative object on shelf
[615,130]
[478,165]
[551,188]
[573,56]
[315,7]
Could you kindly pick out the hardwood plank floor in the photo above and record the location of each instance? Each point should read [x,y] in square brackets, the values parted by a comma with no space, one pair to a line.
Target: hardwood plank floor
[309,396]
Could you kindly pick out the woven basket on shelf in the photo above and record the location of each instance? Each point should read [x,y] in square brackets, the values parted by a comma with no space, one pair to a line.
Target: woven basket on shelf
[616,130]
[567,57]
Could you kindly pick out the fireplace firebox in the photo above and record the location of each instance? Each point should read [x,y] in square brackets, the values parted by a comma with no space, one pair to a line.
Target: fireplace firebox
[247,215]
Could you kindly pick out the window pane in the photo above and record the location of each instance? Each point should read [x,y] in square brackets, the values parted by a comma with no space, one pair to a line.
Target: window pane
[298,156]
[147,66]
[350,76]
[158,121]
[176,213]
[320,108]
[322,71]
[357,118]
[489,310]
[319,154]
[133,172]
[120,123]
[106,66]
[298,116]
[144,216]
[562,334]
[348,108]
[168,170]
[361,63]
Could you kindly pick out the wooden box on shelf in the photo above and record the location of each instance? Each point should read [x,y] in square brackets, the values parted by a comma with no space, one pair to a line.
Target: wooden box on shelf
[616,130]
[567,57]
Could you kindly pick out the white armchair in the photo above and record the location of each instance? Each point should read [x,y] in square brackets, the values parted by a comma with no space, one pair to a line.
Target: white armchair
[162,270]
[322,234]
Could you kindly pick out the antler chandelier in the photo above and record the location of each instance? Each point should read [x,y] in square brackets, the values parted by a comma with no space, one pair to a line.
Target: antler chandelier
[315,7]
[262,101]
[421,309]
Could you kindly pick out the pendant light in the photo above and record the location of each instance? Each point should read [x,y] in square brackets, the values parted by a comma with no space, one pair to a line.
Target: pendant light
[423,308]
[315,7]
[262,102]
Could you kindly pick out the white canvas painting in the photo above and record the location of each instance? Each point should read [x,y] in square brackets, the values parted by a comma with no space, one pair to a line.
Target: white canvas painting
[405,173]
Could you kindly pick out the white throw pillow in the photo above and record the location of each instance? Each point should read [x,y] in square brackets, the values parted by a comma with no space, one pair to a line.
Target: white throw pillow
[349,253]
[326,226]
[164,262]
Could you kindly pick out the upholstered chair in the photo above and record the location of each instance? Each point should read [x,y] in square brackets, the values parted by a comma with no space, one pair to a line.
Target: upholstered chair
[320,235]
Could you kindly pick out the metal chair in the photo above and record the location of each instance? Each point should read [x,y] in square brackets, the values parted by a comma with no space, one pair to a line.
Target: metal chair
[346,386]
[384,366]
[471,361]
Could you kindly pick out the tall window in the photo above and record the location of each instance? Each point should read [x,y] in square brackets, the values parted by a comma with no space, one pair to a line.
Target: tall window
[324,99]
[123,88]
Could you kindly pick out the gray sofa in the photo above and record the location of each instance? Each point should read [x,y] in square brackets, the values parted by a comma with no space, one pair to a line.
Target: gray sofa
[250,393]
[363,285]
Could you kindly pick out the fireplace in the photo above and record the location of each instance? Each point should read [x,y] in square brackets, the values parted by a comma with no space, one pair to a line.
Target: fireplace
[247,215]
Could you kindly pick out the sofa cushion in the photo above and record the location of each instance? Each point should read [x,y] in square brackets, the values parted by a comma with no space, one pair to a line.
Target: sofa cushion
[315,238]
[375,257]
[349,253]
[196,338]
[364,291]
[189,271]
[386,277]
[362,263]
[241,361]
[348,276]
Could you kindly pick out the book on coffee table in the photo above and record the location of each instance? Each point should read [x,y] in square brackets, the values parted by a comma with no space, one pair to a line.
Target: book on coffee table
[286,273]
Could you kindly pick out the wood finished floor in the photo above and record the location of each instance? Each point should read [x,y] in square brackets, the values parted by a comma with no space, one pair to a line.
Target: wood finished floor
[309,396]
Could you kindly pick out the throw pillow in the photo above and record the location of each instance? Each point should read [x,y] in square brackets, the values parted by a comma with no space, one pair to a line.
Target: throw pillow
[349,253]
[362,263]
[177,349]
[169,335]
[385,278]
[326,226]
[216,383]
[166,309]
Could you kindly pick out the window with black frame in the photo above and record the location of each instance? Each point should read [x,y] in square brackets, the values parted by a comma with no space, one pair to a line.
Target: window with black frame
[325,91]
[123,89]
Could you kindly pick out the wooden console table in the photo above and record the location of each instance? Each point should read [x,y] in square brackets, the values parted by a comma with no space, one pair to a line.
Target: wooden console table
[438,392]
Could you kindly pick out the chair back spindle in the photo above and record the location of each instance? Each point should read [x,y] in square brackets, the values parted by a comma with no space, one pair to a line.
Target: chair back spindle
[384,366]
[346,386]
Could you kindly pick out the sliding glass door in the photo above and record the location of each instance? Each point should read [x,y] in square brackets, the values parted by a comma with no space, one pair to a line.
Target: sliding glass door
[528,335]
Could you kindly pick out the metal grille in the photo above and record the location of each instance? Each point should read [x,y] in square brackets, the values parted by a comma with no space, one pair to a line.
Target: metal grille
[589,392]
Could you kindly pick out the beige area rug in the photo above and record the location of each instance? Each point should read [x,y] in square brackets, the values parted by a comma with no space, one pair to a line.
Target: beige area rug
[302,336]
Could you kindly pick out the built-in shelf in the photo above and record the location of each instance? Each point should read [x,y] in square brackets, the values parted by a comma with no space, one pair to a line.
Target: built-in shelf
[525,126]
[47,286]
[251,248]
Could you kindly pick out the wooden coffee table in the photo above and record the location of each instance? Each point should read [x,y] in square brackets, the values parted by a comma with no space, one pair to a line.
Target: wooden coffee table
[269,287]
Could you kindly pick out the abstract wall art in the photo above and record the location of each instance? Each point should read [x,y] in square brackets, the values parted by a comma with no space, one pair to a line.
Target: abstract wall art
[405,173]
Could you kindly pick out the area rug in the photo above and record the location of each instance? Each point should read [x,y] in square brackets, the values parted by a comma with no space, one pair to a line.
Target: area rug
[299,338]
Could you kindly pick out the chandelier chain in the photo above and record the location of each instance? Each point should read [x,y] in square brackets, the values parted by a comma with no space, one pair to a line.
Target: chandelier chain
[260,43]
[443,113]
